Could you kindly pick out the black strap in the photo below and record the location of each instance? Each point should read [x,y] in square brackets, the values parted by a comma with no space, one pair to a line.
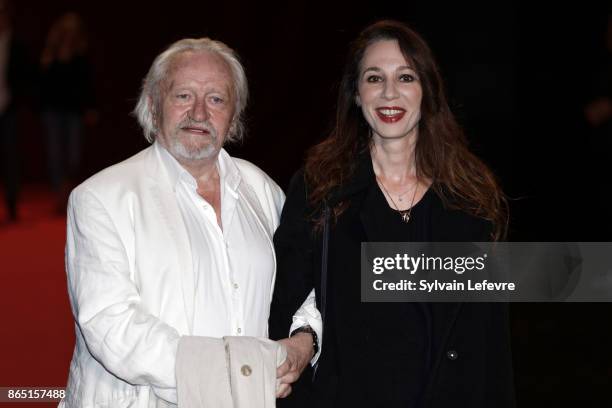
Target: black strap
[324,252]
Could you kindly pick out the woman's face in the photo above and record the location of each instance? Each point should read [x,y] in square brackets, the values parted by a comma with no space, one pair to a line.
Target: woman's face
[389,91]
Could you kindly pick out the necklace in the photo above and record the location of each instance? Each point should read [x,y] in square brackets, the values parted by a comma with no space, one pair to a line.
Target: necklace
[399,196]
[404,214]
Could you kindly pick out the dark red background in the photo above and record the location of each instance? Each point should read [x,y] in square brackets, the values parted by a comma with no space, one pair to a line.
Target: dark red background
[516,76]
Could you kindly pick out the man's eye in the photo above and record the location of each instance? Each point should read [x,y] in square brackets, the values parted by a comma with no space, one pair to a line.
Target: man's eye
[407,78]
[374,78]
[217,99]
[182,96]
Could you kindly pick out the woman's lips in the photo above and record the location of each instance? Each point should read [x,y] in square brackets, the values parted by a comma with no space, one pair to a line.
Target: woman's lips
[390,114]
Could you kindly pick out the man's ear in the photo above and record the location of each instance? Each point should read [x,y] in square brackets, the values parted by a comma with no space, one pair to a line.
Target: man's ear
[154,113]
[231,131]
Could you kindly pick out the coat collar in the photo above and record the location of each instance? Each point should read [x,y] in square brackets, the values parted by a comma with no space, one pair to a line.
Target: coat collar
[362,179]
[360,192]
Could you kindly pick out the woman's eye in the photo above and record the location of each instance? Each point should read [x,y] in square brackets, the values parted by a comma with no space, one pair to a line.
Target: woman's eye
[407,78]
[374,78]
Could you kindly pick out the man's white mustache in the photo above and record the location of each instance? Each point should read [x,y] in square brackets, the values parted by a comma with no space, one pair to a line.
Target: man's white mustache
[205,125]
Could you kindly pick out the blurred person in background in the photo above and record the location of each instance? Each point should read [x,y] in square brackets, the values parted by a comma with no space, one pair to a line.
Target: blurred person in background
[66,93]
[14,72]
[598,117]
[598,110]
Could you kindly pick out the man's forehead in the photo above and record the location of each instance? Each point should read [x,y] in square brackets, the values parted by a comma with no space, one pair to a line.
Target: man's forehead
[200,66]
[200,61]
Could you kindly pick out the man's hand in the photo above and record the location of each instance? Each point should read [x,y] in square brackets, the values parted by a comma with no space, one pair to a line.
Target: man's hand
[299,353]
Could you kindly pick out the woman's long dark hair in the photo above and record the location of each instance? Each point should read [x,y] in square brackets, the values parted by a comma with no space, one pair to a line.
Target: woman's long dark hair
[460,179]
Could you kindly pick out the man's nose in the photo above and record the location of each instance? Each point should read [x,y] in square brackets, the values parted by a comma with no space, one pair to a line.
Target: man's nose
[199,111]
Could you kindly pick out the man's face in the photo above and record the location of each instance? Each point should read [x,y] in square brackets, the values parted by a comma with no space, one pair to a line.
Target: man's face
[197,106]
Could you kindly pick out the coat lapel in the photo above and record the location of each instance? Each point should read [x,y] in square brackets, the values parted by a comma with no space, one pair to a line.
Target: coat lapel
[164,198]
[358,191]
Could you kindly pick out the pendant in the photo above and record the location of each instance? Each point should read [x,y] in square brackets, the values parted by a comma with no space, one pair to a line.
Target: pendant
[405,215]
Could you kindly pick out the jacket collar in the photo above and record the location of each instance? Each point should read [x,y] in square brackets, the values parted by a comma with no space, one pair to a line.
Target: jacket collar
[361,180]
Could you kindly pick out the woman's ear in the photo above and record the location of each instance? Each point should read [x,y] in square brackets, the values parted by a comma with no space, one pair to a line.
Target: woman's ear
[357,100]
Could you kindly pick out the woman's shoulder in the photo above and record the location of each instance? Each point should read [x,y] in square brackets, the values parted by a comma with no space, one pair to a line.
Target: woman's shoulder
[297,203]
[296,218]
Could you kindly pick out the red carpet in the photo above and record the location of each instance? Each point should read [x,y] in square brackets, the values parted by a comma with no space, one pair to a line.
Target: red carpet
[37,333]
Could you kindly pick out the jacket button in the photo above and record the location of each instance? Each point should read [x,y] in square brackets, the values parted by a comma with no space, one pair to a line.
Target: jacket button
[452,355]
[246,370]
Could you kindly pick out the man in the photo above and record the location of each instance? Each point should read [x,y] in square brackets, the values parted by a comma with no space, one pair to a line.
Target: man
[174,241]
[15,71]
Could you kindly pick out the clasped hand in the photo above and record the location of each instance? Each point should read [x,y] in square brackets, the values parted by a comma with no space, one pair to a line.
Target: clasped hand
[299,353]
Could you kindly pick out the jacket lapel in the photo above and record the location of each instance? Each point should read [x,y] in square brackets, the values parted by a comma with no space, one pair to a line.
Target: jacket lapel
[164,198]
[246,192]
[358,191]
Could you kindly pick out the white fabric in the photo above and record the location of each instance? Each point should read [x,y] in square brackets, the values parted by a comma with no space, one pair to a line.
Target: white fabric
[132,284]
[234,275]
[309,315]
[233,372]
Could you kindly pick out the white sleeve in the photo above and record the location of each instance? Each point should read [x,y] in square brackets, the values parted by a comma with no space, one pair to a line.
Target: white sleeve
[309,315]
[128,341]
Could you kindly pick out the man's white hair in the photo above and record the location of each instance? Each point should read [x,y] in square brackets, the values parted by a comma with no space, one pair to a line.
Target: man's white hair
[149,104]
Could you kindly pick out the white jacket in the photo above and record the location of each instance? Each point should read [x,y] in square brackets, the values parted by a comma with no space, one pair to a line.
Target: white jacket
[130,280]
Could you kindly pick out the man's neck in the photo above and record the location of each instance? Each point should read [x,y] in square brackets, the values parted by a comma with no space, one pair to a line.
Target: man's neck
[205,172]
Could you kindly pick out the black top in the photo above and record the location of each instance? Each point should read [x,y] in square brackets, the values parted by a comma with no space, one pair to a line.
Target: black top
[405,324]
[387,354]
[391,225]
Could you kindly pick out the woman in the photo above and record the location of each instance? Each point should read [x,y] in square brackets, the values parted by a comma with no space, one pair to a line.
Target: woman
[66,100]
[395,168]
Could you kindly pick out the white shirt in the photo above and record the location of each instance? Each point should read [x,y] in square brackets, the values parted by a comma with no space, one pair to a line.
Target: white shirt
[234,267]
[235,274]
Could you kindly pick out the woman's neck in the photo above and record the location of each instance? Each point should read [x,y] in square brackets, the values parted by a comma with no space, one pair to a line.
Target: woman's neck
[394,159]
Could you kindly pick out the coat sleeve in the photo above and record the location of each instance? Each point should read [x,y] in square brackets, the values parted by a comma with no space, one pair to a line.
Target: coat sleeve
[294,255]
[129,342]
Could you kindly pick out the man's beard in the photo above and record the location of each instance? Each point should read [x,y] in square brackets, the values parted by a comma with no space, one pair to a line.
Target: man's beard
[181,150]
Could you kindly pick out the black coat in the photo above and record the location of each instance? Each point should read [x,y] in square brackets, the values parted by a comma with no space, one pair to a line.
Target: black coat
[371,355]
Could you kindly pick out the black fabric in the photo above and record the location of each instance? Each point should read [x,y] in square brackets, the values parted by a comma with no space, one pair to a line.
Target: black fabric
[387,355]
